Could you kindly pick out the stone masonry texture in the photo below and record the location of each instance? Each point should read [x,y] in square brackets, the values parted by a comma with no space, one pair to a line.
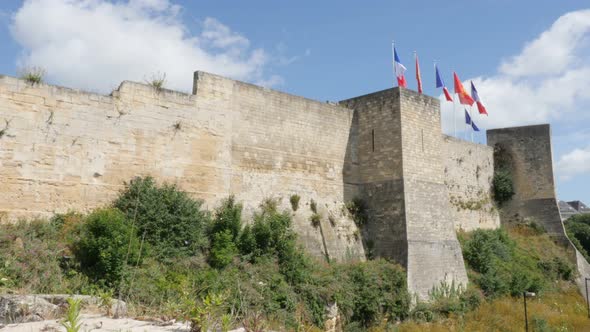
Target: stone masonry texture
[63,149]
[402,178]
[469,171]
[527,153]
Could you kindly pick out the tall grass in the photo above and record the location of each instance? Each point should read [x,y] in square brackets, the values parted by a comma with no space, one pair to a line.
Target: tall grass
[563,310]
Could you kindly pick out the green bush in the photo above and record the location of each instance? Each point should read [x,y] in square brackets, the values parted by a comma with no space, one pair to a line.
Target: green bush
[172,222]
[370,291]
[271,236]
[501,266]
[503,186]
[223,249]
[447,299]
[228,217]
[106,244]
[578,230]
[485,247]
[30,256]
[224,233]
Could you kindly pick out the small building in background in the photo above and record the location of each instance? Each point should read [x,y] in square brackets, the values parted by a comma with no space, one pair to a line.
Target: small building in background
[568,209]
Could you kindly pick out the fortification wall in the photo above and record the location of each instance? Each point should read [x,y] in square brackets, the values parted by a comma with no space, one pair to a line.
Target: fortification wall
[402,180]
[380,183]
[69,150]
[434,253]
[526,152]
[469,171]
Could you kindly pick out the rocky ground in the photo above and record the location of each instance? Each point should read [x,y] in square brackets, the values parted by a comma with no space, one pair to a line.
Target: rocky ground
[96,322]
[42,313]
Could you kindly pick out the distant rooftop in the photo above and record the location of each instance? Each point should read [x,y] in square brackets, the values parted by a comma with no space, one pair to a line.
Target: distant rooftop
[568,209]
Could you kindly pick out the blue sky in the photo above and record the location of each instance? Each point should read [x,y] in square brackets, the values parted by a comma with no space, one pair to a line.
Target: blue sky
[528,58]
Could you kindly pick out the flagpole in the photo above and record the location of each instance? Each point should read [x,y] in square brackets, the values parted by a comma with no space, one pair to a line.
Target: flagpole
[393,61]
[466,128]
[454,110]
[471,116]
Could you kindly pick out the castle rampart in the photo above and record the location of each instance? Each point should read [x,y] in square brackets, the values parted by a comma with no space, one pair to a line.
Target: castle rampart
[527,153]
[469,171]
[402,178]
[63,149]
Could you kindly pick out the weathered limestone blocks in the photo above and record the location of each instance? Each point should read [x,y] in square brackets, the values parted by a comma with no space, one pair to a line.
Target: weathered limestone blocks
[469,171]
[527,154]
[64,149]
[402,179]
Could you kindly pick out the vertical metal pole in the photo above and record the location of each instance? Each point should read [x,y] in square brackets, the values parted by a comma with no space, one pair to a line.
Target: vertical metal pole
[526,319]
[454,117]
[587,303]
[393,63]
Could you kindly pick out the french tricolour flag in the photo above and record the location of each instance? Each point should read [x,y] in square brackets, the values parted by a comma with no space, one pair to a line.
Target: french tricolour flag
[441,84]
[399,70]
[475,96]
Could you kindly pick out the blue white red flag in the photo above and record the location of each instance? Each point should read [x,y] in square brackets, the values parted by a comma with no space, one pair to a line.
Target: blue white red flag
[441,84]
[399,70]
[475,96]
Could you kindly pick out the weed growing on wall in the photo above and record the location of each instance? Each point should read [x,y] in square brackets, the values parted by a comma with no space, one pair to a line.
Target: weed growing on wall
[32,75]
[294,199]
[358,210]
[502,182]
[503,186]
[157,81]
[313,206]
[315,220]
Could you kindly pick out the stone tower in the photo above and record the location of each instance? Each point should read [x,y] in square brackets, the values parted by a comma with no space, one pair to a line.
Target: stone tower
[526,152]
[401,177]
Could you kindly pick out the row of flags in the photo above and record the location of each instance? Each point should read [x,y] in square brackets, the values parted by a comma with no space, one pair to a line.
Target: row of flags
[464,97]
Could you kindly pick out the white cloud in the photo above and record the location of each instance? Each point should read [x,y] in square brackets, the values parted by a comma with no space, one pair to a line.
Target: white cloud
[96,44]
[574,163]
[554,50]
[548,81]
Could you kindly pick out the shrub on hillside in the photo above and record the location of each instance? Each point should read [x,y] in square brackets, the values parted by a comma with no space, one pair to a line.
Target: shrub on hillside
[30,257]
[271,236]
[502,266]
[224,233]
[223,249]
[172,222]
[578,230]
[370,291]
[106,244]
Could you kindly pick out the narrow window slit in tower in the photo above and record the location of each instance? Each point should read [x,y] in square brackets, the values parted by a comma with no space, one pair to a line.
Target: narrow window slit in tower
[373,139]
[422,140]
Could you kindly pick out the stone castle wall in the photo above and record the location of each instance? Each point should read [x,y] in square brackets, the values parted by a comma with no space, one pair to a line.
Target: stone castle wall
[527,152]
[63,149]
[469,170]
[528,155]
[66,150]
[402,179]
